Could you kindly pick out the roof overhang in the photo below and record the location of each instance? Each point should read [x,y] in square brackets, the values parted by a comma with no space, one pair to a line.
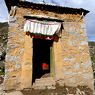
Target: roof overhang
[52,8]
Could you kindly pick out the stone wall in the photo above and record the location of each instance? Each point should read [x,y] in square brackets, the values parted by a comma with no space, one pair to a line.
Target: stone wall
[71,53]
[77,66]
[14,57]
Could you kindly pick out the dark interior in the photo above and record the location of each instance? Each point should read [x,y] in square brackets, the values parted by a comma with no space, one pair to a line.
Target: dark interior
[41,54]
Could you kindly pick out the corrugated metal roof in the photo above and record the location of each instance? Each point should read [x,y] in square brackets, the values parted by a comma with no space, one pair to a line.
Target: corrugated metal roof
[53,8]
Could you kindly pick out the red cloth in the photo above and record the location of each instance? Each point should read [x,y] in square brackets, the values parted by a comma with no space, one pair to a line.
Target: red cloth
[45,66]
[43,37]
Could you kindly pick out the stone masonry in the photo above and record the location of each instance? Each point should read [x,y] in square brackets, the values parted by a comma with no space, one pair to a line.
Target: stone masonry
[72,63]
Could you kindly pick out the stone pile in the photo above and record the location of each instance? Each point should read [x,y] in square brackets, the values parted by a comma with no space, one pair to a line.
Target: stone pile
[2,92]
[44,83]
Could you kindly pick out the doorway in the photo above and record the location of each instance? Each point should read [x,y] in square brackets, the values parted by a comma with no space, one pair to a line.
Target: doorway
[41,57]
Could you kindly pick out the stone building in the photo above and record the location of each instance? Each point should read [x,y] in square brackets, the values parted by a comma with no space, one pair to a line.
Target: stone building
[38,59]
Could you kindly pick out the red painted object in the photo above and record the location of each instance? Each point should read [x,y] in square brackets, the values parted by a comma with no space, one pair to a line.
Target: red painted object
[45,66]
[42,37]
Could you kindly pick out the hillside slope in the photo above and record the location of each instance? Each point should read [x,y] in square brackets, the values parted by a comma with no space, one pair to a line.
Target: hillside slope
[92,54]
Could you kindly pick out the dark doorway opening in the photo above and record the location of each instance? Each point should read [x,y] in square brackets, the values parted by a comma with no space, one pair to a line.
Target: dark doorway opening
[41,57]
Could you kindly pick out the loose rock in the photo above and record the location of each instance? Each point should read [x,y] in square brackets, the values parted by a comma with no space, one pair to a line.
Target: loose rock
[14,93]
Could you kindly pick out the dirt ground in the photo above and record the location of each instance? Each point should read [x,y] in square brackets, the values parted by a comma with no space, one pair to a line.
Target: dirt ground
[60,90]
[79,90]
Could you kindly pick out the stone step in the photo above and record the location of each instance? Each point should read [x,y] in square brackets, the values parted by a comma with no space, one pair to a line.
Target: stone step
[43,86]
[43,83]
[44,79]
[49,78]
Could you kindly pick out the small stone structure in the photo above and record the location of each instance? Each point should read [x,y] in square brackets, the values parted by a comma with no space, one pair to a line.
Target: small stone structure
[71,60]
